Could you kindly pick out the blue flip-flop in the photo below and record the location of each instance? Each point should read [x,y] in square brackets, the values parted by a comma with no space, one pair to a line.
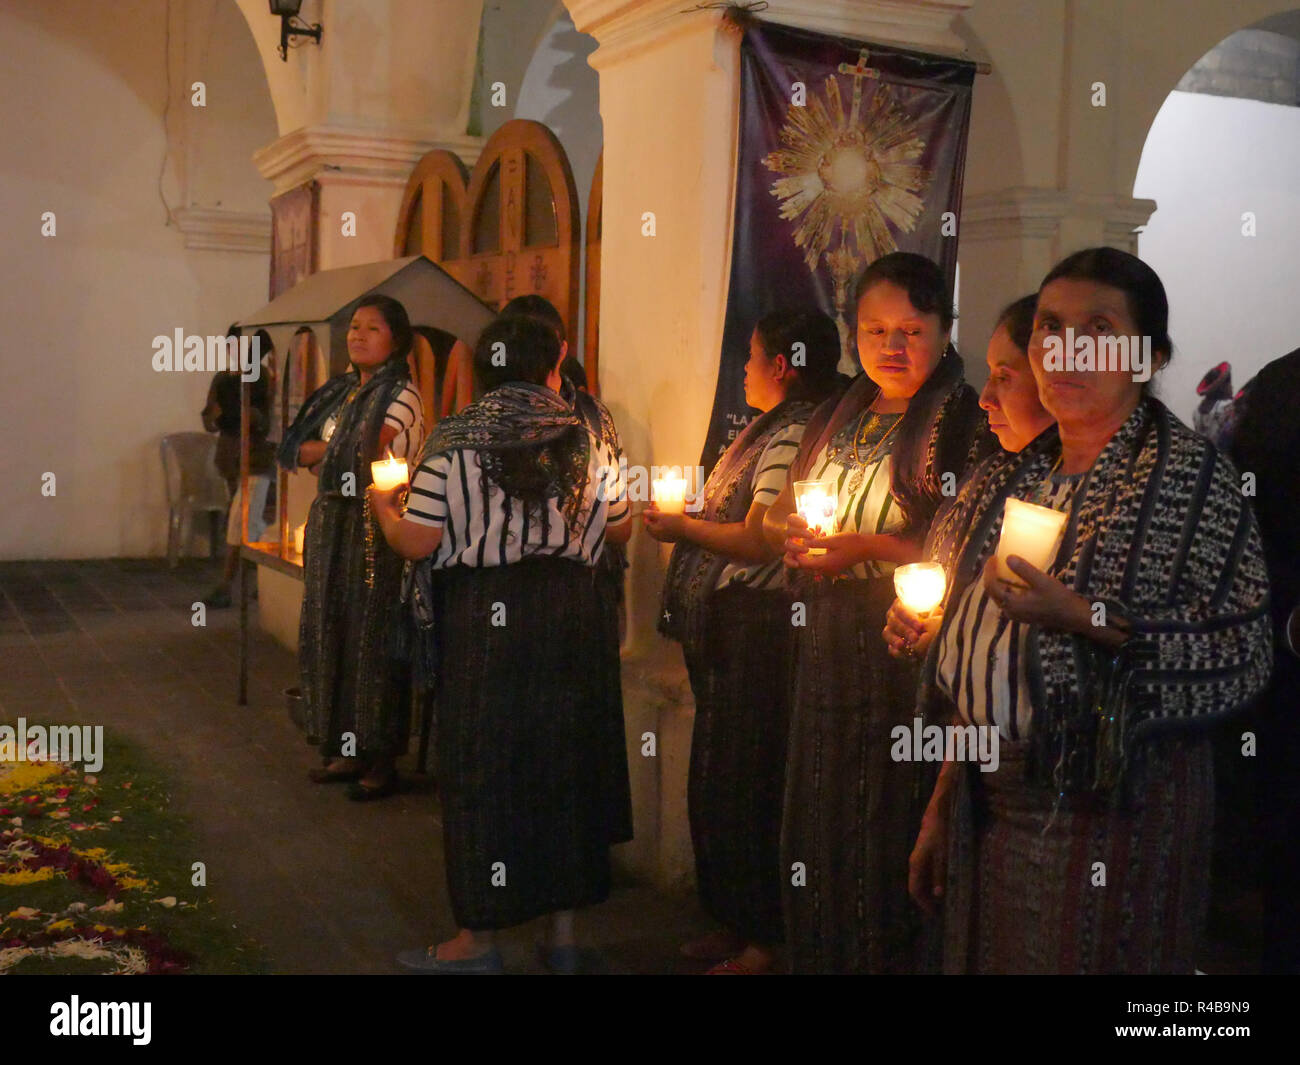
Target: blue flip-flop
[563,961]
[425,961]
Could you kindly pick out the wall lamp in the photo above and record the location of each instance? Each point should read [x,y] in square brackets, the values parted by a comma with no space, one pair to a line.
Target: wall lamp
[287,10]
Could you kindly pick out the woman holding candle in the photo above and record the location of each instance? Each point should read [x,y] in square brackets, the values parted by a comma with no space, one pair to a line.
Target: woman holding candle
[512,504]
[612,563]
[889,444]
[1016,416]
[357,694]
[724,600]
[1088,850]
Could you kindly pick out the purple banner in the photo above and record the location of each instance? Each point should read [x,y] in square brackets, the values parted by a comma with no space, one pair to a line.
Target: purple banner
[848,151]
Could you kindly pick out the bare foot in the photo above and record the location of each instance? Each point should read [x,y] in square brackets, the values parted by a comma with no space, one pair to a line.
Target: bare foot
[378,774]
[755,958]
[464,946]
[714,946]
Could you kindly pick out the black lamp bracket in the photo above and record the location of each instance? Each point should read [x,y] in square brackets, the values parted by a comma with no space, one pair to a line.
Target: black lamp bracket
[290,26]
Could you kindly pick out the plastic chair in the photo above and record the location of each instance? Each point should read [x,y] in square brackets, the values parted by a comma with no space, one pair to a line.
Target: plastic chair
[193,486]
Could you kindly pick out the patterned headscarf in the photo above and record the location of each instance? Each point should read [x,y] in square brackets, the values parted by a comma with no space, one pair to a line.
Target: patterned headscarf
[532,444]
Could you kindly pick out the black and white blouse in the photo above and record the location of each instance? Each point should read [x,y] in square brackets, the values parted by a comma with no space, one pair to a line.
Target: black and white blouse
[858,460]
[406,415]
[770,474]
[447,491]
[983,654]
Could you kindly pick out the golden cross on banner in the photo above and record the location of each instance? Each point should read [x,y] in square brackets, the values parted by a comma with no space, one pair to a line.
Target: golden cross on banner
[858,70]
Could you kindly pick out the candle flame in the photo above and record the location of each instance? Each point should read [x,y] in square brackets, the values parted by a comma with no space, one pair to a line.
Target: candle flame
[920,586]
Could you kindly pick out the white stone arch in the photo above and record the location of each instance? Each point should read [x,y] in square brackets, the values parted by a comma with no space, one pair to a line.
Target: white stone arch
[403,67]
[1201,24]
[285,83]
[1210,162]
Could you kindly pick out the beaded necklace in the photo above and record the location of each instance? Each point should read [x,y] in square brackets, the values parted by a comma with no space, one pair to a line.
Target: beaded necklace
[868,425]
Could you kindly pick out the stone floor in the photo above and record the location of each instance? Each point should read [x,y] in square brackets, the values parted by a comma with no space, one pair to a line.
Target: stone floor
[324,884]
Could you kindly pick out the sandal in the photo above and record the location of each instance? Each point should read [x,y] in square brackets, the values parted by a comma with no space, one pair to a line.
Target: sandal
[326,775]
[427,961]
[360,791]
[713,946]
[730,967]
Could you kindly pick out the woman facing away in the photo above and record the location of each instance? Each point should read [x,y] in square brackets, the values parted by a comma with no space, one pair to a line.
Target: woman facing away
[1086,851]
[725,601]
[888,444]
[356,691]
[512,505]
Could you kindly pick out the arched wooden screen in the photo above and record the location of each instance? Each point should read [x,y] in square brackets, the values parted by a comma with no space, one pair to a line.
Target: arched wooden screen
[591,326]
[513,224]
[421,362]
[430,219]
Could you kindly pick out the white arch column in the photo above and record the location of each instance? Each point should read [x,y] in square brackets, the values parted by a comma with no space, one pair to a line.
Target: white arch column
[1011,237]
[669,100]
[389,81]
[1051,162]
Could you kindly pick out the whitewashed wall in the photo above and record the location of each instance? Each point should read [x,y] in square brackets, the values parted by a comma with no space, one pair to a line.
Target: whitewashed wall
[83,89]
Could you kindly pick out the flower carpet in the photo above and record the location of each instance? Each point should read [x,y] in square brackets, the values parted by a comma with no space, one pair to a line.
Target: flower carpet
[96,875]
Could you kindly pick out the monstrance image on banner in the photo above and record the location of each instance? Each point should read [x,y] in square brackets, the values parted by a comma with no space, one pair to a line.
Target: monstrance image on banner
[849,177]
[848,151]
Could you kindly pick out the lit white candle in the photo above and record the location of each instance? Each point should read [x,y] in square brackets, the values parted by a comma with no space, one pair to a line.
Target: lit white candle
[389,473]
[670,494]
[920,586]
[1032,532]
[816,502]
[299,536]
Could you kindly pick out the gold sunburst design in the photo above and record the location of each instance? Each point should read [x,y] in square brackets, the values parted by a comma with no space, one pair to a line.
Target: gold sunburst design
[851,174]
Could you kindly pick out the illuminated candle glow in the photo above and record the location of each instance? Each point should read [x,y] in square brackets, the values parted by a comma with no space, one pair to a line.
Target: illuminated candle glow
[299,535]
[816,502]
[389,474]
[669,494]
[1032,532]
[920,586]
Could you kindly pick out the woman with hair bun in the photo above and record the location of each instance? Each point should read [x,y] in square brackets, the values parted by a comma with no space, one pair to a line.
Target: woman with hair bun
[724,600]
[514,501]
[1087,851]
[907,427]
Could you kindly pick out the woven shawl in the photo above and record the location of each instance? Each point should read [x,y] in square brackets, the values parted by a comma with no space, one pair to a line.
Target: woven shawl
[693,571]
[354,444]
[313,414]
[514,416]
[1159,530]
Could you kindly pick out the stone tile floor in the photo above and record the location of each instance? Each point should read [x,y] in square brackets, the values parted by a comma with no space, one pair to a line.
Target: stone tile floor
[324,884]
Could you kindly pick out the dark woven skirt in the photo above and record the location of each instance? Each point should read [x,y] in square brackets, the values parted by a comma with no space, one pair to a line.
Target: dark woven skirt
[851,813]
[531,752]
[741,682]
[1024,892]
[350,681]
